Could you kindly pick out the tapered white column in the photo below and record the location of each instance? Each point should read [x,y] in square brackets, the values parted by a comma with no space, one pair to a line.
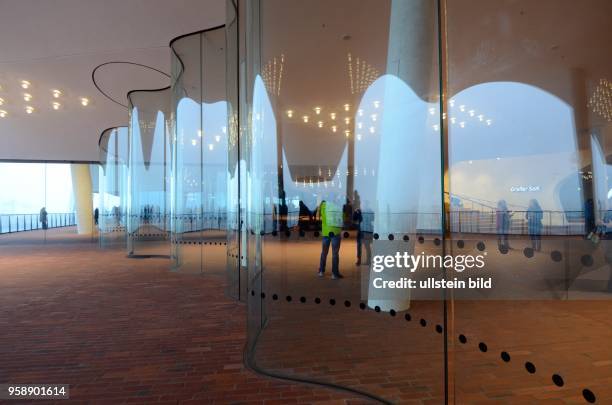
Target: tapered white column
[83,197]
[406,166]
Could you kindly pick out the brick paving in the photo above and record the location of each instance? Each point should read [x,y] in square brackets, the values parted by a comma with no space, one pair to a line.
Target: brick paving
[124,330]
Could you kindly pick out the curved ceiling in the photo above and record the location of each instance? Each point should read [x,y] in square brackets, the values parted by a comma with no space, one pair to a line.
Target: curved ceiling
[57,44]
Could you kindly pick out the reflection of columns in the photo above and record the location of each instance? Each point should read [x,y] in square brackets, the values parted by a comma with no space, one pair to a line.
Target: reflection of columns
[83,197]
[411,57]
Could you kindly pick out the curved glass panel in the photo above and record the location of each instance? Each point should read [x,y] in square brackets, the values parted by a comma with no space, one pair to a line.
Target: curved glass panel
[342,164]
[149,174]
[112,187]
[528,127]
[199,208]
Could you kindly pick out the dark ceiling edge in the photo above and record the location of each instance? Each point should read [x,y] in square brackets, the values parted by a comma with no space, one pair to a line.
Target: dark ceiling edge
[173,40]
[90,162]
[93,77]
[104,132]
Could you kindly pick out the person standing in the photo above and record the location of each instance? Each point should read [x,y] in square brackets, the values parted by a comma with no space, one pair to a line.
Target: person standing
[96,215]
[502,224]
[43,218]
[534,224]
[331,226]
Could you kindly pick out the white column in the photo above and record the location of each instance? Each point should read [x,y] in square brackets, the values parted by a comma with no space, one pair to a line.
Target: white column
[406,167]
[83,197]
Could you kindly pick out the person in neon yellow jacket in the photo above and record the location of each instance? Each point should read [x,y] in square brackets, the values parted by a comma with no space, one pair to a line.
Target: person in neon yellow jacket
[331,226]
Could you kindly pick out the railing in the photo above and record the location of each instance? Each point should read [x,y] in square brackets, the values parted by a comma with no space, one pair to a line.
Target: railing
[10,223]
[461,221]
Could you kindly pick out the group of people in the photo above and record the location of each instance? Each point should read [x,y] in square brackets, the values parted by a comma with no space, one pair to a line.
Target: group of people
[533,216]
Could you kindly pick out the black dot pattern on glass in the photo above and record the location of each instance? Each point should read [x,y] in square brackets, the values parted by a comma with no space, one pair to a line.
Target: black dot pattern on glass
[288,298]
[460,244]
[462,339]
[588,395]
[437,241]
[483,347]
[406,238]
[421,239]
[316,234]
[332,302]
[391,236]
[530,367]
[556,256]
[317,300]
[505,356]
[586,260]
[376,236]
[407,317]
[392,312]
[302,299]
[503,249]
[346,235]
[347,303]
[480,246]
[362,305]
[423,322]
[274,297]
[263,295]
[528,252]
[377,308]
[439,328]
[558,380]
[252,293]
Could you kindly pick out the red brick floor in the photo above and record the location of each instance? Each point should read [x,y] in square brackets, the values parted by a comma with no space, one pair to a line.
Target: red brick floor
[124,330]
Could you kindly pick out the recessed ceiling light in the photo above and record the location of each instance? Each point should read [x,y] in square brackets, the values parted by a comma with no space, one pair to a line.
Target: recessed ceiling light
[27,96]
[84,101]
[56,93]
[25,84]
[29,109]
[56,105]
[3,113]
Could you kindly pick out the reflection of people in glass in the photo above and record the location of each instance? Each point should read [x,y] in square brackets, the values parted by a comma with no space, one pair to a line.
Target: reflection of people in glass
[43,218]
[364,220]
[589,216]
[96,215]
[534,223]
[503,224]
[331,226]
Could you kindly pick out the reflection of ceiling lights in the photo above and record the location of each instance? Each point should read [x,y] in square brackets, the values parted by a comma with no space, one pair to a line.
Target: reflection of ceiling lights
[29,109]
[1,101]
[211,146]
[84,101]
[27,96]
[56,93]
[601,100]
[217,138]
[272,74]
[320,124]
[289,113]
[3,113]
[317,110]
[334,128]
[361,74]
[332,116]
[305,118]
[56,105]
[199,133]
[25,84]
[194,142]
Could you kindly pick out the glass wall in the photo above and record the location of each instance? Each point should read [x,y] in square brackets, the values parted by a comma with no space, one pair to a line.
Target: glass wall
[112,187]
[342,160]
[381,128]
[200,152]
[38,203]
[148,204]
[528,143]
